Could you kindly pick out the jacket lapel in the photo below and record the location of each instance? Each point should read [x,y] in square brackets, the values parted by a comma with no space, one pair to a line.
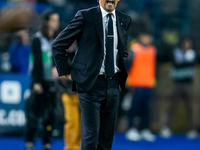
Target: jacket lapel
[99,28]
[98,24]
[120,31]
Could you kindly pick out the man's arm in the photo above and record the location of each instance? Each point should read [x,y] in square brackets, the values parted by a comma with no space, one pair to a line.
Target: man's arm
[126,48]
[128,26]
[63,41]
[37,72]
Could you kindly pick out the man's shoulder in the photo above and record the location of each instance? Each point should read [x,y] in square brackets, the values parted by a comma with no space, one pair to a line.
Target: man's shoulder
[89,10]
[123,15]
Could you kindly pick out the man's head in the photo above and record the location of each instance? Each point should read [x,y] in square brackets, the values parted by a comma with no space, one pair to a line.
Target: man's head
[186,43]
[145,38]
[108,5]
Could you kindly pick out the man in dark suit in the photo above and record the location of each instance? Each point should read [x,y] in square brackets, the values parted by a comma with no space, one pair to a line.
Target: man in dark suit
[98,68]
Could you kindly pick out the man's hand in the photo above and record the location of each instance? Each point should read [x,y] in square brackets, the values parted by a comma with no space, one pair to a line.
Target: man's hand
[66,77]
[69,77]
[55,72]
[38,88]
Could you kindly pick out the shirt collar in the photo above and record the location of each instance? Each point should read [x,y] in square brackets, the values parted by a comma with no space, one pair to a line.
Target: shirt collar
[104,12]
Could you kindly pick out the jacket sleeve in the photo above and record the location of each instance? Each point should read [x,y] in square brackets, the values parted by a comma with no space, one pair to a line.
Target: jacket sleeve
[37,72]
[126,49]
[63,41]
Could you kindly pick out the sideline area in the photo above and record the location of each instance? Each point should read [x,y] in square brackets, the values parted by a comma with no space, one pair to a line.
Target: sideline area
[178,142]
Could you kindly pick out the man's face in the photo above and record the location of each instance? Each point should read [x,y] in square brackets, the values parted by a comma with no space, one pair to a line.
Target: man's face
[145,39]
[108,5]
[187,44]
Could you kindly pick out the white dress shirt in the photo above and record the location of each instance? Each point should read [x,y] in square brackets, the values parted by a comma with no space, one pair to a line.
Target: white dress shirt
[115,46]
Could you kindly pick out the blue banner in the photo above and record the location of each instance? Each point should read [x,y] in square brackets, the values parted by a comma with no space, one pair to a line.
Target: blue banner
[14,90]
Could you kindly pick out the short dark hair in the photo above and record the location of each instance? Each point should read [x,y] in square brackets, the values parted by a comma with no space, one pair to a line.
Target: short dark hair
[144,32]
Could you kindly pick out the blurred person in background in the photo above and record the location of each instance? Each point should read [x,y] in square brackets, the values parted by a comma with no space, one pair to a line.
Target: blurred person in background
[13,21]
[19,53]
[40,105]
[72,127]
[182,74]
[5,65]
[141,80]
[98,68]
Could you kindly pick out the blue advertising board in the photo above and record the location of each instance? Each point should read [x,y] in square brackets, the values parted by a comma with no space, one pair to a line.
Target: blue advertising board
[14,90]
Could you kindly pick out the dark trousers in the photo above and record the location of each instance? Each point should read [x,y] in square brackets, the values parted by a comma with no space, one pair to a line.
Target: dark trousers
[140,107]
[99,109]
[184,92]
[39,109]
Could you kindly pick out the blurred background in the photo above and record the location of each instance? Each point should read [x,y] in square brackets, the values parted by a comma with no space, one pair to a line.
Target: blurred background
[167,21]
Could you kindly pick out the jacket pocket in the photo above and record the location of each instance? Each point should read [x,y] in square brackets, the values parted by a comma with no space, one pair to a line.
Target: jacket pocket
[78,66]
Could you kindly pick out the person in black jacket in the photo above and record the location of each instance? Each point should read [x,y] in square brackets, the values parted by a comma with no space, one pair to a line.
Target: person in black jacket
[182,74]
[98,68]
[40,105]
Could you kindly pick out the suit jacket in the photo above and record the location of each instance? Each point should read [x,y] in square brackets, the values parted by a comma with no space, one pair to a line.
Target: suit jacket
[87,29]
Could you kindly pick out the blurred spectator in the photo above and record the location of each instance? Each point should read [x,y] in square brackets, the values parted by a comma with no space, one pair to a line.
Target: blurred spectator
[19,53]
[42,1]
[5,65]
[58,3]
[40,105]
[141,79]
[182,75]
[22,0]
